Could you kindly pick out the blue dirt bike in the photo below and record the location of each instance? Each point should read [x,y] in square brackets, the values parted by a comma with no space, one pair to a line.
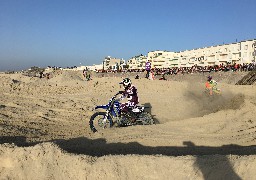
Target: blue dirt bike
[113,116]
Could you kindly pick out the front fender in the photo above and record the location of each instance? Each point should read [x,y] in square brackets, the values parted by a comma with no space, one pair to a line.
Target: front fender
[101,107]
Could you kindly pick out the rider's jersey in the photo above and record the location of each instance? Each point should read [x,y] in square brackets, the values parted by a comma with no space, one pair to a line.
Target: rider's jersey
[207,84]
[211,84]
[132,94]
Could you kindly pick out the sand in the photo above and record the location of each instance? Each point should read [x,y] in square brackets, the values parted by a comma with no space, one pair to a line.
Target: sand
[45,134]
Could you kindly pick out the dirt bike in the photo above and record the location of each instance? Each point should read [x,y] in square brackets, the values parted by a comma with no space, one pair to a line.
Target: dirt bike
[113,115]
[215,91]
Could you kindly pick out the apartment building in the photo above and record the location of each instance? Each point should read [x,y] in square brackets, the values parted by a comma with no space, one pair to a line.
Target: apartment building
[110,63]
[137,62]
[239,52]
[160,59]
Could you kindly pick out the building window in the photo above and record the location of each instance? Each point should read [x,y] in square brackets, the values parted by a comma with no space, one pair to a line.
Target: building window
[245,47]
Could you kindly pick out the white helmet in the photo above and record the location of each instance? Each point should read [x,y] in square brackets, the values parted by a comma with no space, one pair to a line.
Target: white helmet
[126,82]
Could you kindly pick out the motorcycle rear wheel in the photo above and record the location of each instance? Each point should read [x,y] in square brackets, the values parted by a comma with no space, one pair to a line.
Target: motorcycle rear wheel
[146,118]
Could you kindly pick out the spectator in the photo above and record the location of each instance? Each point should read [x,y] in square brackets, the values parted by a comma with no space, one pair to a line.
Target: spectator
[148,68]
[41,75]
[88,76]
[84,73]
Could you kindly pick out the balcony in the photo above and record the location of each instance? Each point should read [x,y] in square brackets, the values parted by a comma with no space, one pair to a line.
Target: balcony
[158,63]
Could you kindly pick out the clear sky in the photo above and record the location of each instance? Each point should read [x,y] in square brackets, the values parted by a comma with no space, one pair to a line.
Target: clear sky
[73,32]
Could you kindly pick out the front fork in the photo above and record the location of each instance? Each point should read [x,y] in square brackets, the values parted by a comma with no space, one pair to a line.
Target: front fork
[111,116]
[105,120]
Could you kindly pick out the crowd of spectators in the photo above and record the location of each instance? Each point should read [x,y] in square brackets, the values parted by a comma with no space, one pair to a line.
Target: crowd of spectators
[193,69]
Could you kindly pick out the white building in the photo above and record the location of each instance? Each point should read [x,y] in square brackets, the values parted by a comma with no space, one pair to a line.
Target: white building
[239,53]
[110,63]
[137,62]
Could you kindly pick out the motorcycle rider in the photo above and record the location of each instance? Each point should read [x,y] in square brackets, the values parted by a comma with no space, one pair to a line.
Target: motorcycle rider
[130,92]
[211,85]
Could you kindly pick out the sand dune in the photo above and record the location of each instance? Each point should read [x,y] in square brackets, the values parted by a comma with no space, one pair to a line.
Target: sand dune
[45,132]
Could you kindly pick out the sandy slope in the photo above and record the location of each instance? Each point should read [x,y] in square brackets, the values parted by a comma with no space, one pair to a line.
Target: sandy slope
[45,132]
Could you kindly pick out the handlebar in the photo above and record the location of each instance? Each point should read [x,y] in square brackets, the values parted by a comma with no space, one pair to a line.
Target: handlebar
[120,92]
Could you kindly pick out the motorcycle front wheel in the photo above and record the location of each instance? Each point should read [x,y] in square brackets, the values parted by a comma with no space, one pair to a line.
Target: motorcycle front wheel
[97,121]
